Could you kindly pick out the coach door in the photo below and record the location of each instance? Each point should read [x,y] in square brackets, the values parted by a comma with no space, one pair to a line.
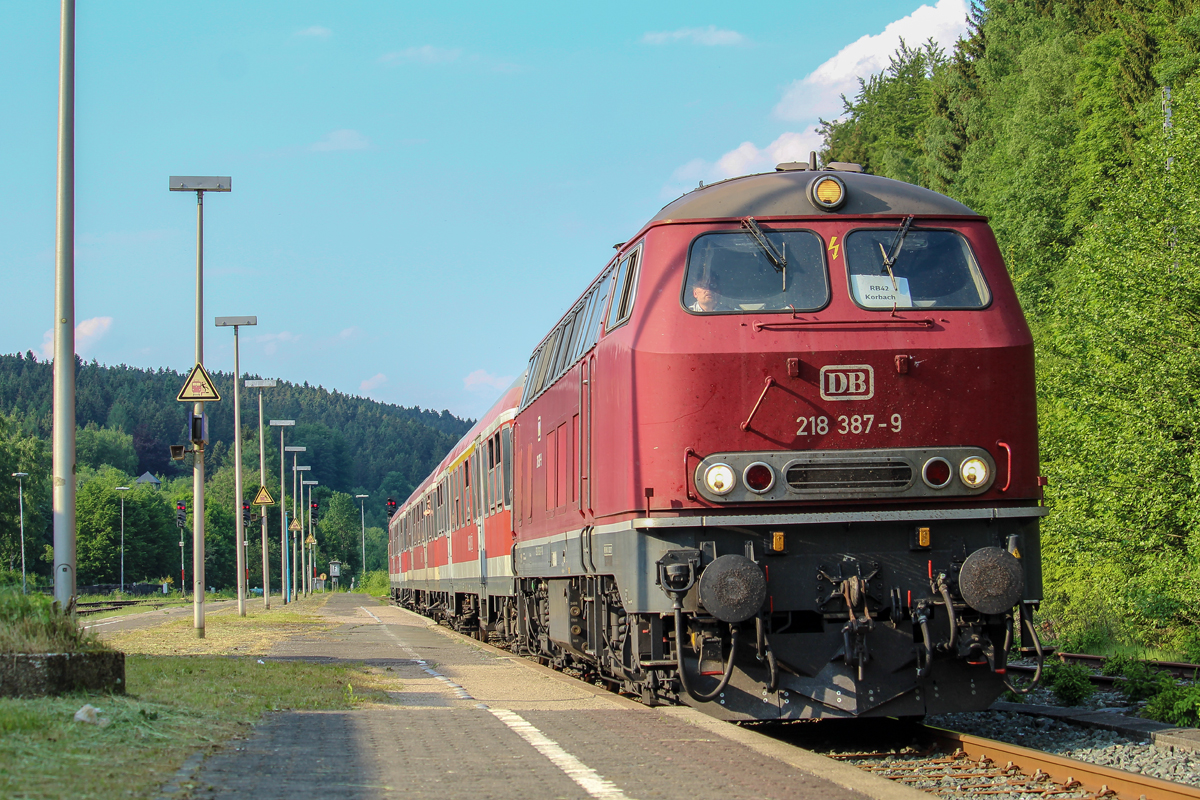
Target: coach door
[481,512]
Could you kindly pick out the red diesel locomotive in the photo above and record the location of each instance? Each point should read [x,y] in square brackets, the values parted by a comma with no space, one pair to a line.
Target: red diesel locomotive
[778,461]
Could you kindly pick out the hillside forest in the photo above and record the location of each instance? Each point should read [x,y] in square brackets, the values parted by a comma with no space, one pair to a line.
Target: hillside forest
[128,417]
[1075,126]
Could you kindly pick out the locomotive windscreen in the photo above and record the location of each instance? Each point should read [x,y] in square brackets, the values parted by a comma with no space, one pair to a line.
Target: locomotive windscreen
[932,269]
[730,273]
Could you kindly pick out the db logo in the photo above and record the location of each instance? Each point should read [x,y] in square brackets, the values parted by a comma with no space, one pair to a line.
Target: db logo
[847,382]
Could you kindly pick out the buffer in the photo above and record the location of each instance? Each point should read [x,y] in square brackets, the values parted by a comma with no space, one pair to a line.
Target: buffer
[263,498]
[199,386]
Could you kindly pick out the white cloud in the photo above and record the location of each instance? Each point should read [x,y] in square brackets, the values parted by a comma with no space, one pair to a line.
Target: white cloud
[371,384]
[426,54]
[350,333]
[87,333]
[344,139]
[271,341]
[819,93]
[316,32]
[712,35]
[482,381]
[744,159]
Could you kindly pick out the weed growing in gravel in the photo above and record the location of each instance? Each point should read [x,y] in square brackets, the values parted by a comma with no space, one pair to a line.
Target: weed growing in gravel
[1176,705]
[1069,682]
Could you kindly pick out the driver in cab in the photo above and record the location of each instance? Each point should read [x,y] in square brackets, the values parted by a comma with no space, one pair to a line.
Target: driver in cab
[705,292]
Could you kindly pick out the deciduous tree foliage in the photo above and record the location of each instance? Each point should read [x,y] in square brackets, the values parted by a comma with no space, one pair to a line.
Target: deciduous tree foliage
[1074,126]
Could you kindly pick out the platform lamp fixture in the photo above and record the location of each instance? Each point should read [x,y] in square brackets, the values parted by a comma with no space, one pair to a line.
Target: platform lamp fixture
[262,482]
[282,424]
[362,507]
[235,323]
[122,490]
[21,476]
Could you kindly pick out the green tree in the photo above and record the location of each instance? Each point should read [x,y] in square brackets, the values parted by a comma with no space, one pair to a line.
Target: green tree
[98,447]
[151,538]
[23,453]
[339,532]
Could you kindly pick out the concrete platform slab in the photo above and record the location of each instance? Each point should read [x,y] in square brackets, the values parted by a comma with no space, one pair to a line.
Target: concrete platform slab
[471,721]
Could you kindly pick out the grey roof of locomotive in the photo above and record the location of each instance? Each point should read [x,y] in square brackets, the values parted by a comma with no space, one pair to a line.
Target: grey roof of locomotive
[784,194]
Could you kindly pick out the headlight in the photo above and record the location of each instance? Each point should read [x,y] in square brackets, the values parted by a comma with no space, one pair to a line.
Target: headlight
[719,479]
[759,477]
[974,472]
[827,191]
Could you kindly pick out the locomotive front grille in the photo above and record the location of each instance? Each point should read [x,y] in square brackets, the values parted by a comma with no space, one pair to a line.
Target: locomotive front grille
[885,474]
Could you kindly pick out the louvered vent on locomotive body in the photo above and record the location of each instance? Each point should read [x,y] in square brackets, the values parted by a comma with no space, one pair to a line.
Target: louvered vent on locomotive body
[823,476]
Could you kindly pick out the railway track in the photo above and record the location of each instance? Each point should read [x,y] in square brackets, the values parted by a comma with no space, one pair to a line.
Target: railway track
[85,609]
[1176,669]
[962,764]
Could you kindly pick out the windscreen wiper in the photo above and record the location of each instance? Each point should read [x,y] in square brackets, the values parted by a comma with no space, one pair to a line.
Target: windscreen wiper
[892,253]
[777,259]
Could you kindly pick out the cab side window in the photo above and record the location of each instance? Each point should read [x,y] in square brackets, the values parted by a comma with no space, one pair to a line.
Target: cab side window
[624,291]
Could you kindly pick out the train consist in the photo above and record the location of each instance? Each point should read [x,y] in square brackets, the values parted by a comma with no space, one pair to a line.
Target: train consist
[778,461]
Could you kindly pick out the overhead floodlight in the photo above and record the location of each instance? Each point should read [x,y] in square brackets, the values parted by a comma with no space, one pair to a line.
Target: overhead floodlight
[295,448]
[227,322]
[281,422]
[261,384]
[201,183]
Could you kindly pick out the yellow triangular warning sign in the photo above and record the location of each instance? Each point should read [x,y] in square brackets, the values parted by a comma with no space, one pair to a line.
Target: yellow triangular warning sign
[295,526]
[263,498]
[198,386]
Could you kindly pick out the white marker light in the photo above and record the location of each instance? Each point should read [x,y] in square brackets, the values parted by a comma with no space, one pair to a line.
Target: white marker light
[974,472]
[719,479]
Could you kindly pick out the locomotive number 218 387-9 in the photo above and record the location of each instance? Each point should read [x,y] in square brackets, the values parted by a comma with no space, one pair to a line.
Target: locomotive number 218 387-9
[859,423]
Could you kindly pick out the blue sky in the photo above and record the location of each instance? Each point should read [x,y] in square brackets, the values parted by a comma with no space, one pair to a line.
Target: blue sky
[419,190]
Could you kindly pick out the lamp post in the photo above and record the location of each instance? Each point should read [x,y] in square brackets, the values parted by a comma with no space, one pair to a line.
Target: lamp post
[63,433]
[281,424]
[262,481]
[362,502]
[295,451]
[298,541]
[235,323]
[199,185]
[122,489]
[21,476]
[309,541]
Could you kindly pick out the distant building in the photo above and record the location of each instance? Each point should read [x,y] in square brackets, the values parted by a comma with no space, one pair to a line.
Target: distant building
[150,479]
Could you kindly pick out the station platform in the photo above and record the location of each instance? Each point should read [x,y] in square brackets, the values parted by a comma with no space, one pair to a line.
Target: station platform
[473,722]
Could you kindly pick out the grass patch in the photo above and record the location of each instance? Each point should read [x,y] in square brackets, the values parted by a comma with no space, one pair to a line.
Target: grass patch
[225,633]
[175,705]
[33,623]
[374,583]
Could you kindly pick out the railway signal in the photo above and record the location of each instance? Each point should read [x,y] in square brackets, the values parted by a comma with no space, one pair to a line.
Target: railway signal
[391,507]
[180,514]
[245,515]
[312,511]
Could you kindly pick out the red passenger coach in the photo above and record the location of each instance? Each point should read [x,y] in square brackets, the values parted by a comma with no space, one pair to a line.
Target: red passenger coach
[778,461]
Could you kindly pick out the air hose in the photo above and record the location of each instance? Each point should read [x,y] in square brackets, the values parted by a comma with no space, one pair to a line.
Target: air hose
[1037,647]
[683,678]
[945,592]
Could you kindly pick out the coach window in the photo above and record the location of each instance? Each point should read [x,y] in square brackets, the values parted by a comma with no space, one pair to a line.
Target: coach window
[732,272]
[929,269]
[623,291]
[506,458]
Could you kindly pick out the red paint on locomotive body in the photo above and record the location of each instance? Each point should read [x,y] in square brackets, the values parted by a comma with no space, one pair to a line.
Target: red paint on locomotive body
[668,380]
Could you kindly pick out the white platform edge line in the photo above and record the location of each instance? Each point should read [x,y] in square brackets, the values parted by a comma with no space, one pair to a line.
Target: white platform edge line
[587,778]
